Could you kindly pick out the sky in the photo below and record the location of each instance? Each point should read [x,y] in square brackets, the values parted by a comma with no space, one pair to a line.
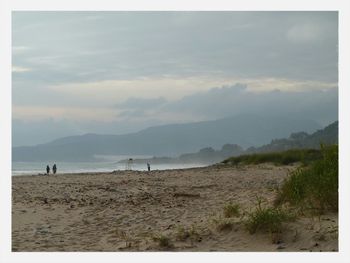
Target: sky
[119,72]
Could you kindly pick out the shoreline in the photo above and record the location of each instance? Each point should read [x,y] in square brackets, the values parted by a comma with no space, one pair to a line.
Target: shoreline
[132,210]
[102,171]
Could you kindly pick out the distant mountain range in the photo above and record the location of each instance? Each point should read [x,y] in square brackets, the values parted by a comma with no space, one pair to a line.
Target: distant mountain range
[327,136]
[167,140]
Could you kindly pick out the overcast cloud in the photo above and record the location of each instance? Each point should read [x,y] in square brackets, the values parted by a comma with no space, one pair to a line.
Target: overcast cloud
[145,68]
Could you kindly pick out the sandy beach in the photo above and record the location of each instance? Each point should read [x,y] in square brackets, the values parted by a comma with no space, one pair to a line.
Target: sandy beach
[131,211]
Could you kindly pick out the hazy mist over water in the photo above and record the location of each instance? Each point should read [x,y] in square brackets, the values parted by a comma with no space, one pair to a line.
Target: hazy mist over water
[107,163]
[33,168]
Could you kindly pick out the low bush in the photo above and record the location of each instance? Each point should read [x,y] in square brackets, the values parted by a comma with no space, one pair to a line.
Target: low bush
[267,219]
[163,241]
[304,156]
[223,224]
[231,210]
[314,187]
[183,234]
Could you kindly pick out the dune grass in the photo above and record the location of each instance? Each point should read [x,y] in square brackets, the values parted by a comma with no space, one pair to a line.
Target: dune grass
[231,210]
[191,233]
[163,241]
[304,156]
[314,187]
[182,234]
[223,224]
[267,219]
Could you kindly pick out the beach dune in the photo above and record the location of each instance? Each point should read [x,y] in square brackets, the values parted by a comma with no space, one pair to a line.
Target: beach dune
[176,210]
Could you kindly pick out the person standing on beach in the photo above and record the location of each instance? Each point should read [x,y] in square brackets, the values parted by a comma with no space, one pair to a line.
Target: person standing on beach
[148,167]
[54,169]
[47,169]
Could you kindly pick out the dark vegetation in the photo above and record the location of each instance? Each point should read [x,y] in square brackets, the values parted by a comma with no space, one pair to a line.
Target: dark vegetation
[267,219]
[163,241]
[311,189]
[301,140]
[314,187]
[187,233]
[304,156]
[231,210]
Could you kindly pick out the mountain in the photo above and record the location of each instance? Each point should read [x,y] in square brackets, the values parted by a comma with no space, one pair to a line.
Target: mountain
[204,156]
[328,135]
[170,140]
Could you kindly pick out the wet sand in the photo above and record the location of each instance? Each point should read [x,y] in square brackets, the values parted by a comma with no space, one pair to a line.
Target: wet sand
[130,210]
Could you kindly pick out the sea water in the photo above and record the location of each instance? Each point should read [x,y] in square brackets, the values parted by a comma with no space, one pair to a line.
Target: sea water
[30,168]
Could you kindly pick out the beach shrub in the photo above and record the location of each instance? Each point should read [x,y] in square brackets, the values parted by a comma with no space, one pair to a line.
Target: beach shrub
[163,241]
[267,219]
[183,234]
[124,236]
[231,210]
[223,224]
[304,156]
[193,234]
[314,187]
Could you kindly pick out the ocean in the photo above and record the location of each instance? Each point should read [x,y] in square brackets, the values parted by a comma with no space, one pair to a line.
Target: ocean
[30,168]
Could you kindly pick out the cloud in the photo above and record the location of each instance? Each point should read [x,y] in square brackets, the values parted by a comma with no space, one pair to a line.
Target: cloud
[132,114]
[304,33]
[319,105]
[215,103]
[131,45]
[146,93]
[173,88]
[119,91]
[35,113]
[20,69]
[140,103]
[136,69]
[20,49]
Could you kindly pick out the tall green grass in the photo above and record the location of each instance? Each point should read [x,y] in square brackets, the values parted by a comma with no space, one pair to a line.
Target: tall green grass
[313,187]
[267,219]
[304,156]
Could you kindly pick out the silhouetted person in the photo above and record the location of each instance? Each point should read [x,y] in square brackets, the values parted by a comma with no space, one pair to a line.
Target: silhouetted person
[54,169]
[148,167]
[47,169]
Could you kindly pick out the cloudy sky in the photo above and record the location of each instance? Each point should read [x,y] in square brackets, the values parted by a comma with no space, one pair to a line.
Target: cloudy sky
[116,72]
